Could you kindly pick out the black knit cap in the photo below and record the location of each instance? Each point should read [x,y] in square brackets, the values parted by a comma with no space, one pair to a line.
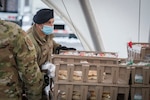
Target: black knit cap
[43,16]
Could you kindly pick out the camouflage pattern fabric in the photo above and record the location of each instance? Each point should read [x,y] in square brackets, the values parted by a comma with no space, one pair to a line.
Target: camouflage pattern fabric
[45,47]
[18,64]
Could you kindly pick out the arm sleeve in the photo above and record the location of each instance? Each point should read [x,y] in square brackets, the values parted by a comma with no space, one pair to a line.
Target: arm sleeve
[28,68]
[55,46]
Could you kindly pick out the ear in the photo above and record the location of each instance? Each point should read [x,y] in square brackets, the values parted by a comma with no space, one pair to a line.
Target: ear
[40,26]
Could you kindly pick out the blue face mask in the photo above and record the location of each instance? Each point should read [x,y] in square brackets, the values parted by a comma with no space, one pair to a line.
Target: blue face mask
[47,30]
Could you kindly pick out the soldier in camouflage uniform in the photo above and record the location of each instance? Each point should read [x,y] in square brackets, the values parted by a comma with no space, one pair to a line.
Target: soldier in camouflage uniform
[18,64]
[41,35]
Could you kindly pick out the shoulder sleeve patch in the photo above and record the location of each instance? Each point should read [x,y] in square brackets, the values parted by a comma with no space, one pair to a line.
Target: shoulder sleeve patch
[29,43]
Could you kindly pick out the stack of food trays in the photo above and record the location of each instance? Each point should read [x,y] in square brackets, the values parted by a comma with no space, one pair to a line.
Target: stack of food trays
[82,75]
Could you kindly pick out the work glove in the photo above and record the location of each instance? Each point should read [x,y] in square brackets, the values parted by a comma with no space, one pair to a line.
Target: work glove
[63,48]
[50,69]
[48,77]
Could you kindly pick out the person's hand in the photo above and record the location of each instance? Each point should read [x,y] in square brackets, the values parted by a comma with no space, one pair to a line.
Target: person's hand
[63,48]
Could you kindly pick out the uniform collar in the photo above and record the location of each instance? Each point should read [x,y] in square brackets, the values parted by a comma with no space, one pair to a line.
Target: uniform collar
[39,39]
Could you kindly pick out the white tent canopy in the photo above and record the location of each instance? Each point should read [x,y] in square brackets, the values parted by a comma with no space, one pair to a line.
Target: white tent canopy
[105,25]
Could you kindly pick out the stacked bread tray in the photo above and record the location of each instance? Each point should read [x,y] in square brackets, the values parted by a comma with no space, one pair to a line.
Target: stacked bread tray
[138,51]
[82,75]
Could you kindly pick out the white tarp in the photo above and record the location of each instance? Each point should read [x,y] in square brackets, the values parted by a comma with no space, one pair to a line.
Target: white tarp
[117,21]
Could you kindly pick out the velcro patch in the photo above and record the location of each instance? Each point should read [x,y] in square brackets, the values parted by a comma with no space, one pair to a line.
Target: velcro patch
[29,43]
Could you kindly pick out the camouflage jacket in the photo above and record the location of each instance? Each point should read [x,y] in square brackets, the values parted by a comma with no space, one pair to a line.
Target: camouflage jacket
[44,46]
[18,63]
